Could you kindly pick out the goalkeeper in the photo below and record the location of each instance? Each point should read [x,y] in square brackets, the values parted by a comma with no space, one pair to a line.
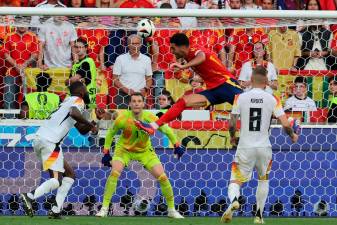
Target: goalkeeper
[135,144]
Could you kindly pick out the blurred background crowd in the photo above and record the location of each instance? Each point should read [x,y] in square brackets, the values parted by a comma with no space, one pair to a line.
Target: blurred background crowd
[38,60]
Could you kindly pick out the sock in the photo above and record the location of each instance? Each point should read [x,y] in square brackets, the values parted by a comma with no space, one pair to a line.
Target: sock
[110,188]
[172,113]
[261,196]
[233,191]
[62,192]
[167,191]
[44,188]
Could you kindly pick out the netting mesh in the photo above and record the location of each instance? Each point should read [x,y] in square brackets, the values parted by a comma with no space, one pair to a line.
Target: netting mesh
[302,175]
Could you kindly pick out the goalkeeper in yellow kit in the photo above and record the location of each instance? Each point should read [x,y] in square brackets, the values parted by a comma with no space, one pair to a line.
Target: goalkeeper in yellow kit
[135,144]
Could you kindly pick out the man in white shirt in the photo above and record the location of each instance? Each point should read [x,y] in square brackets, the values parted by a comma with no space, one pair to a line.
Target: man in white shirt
[186,22]
[132,72]
[255,109]
[35,22]
[57,38]
[300,102]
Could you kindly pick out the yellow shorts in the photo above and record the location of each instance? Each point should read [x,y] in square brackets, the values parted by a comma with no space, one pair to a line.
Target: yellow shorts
[148,158]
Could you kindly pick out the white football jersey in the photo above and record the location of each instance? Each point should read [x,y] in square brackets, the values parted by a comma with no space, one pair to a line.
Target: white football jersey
[256,108]
[60,122]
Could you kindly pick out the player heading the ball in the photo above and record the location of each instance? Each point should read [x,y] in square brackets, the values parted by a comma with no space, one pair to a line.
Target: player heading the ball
[255,109]
[220,83]
[47,148]
[135,144]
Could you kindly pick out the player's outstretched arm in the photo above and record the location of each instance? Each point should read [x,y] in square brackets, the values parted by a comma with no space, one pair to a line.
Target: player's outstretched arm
[75,113]
[179,150]
[112,131]
[288,128]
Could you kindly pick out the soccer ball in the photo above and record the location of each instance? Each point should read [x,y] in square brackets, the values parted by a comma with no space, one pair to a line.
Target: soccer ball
[141,205]
[145,28]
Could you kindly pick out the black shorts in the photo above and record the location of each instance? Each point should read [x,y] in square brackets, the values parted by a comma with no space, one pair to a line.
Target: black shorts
[223,93]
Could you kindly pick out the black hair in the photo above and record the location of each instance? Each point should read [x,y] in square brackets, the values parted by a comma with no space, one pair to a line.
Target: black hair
[180,39]
[137,94]
[318,3]
[333,78]
[168,95]
[166,5]
[43,81]
[301,80]
[83,41]
[76,87]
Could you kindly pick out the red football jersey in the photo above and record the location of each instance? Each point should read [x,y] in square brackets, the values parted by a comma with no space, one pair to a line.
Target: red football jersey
[212,71]
[245,45]
[97,39]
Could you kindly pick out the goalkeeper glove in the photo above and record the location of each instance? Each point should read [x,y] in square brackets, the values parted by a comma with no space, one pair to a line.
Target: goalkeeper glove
[179,150]
[106,159]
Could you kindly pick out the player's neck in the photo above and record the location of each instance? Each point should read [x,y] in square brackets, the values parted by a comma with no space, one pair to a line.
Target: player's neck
[257,86]
[137,115]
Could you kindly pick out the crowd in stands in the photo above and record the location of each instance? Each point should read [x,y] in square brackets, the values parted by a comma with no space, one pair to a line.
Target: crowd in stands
[129,62]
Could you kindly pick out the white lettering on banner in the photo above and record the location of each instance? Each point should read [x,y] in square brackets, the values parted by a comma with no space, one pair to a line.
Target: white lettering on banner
[15,138]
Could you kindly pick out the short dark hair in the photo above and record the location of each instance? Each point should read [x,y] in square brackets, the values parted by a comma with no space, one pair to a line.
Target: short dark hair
[260,70]
[302,80]
[180,39]
[43,81]
[166,5]
[137,94]
[168,95]
[83,41]
[333,78]
[75,87]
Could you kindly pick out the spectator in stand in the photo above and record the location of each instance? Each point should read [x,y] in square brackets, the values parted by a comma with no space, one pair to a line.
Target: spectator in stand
[196,83]
[241,45]
[235,4]
[268,4]
[250,5]
[75,3]
[20,51]
[165,100]
[36,20]
[132,72]
[57,38]
[30,3]
[84,70]
[40,104]
[300,102]
[290,4]
[332,114]
[10,3]
[136,4]
[259,59]
[284,48]
[187,22]
[97,40]
[328,4]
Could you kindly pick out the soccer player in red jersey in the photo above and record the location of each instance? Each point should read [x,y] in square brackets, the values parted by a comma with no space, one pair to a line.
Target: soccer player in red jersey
[221,85]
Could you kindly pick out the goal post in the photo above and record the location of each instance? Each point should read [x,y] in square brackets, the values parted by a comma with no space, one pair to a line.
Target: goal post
[303,174]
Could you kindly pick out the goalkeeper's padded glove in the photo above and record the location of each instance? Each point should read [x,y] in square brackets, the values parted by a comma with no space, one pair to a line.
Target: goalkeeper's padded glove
[106,159]
[179,150]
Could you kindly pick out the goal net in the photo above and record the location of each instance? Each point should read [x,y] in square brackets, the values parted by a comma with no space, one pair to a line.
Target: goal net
[38,52]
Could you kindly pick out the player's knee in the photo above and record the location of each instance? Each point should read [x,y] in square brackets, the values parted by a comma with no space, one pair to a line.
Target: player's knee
[115,173]
[162,178]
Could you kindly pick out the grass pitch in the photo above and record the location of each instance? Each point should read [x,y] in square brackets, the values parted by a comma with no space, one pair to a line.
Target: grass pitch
[85,220]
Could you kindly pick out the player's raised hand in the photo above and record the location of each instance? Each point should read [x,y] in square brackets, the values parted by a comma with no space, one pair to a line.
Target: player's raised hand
[179,150]
[106,159]
[176,66]
[100,113]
